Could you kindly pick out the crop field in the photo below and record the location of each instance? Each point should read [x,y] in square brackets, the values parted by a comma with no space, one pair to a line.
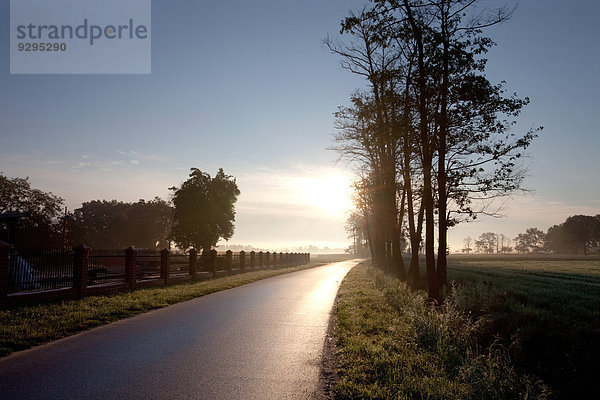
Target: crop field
[511,327]
[546,309]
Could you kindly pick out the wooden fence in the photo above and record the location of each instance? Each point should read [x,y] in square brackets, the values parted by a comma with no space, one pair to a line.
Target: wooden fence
[27,277]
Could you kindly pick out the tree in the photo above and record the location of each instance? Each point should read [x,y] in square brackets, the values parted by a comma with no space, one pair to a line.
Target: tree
[578,234]
[487,242]
[356,227]
[43,224]
[115,224]
[468,242]
[504,244]
[367,135]
[204,210]
[431,129]
[532,241]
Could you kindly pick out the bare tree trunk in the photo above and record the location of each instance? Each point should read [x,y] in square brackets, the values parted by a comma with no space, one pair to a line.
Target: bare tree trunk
[442,175]
[400,269]
[427,156]
[415,237]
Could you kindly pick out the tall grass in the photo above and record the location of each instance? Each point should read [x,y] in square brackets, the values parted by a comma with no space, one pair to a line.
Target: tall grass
[394,345]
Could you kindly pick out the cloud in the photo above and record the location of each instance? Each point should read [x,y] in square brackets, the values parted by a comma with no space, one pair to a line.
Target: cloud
[137,155]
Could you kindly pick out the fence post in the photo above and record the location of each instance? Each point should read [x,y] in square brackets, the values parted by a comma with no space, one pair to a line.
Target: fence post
[193,262]
[4,264]
[261,259]
[213,263]
[80,268]
[274,260]
[228,261]
[242,260]
[131,266]
[252,259]
[267,259]
[164,265]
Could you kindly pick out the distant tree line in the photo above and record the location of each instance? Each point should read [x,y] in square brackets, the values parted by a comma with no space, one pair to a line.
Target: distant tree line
[579,234]
[200,212]
[431,135]
[115,224]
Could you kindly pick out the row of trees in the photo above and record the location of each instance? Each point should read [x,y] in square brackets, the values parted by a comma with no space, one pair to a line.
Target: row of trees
[579,234]
[201,211]
[430,136]
[488,243]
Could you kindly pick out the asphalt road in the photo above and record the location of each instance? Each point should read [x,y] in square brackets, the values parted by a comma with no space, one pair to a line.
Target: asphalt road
[263,340]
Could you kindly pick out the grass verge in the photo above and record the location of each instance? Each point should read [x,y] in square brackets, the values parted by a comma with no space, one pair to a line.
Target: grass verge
[28,326]
[392,345]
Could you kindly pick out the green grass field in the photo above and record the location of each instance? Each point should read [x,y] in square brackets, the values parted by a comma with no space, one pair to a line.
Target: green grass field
[507,322]
[546,309]
[392,345]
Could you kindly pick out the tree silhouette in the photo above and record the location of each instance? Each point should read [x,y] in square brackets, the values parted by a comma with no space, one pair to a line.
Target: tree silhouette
[468,242]
[532,240]
[116,224]
[204,210]
[578,234]
[431,130]
[487,242]
[42,225]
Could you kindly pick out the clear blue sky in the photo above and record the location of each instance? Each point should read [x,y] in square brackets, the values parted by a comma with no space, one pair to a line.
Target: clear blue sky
[248,86]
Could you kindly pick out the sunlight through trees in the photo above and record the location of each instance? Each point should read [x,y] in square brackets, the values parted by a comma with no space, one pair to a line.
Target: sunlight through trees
[432,136]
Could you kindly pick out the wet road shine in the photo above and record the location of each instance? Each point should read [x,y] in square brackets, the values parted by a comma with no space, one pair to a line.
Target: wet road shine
[263,340]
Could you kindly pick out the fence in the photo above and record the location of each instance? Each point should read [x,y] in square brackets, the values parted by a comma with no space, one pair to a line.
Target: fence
[53,269]
[30,275]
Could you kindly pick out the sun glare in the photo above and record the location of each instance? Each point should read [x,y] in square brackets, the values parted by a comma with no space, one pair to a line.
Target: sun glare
[330,193]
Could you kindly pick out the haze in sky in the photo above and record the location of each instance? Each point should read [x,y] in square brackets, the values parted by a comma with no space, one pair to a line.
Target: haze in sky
[249,87]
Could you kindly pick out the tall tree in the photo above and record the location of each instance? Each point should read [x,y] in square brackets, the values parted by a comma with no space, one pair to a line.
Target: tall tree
[433,114]
[368,126]
[43,224]
[204,210]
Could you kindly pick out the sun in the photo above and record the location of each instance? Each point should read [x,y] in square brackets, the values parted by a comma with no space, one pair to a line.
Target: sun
[329,192]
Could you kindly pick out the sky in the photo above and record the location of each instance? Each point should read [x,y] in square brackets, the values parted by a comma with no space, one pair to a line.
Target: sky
[248,86]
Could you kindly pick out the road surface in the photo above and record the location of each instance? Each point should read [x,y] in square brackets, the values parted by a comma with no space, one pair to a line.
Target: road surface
[263,340]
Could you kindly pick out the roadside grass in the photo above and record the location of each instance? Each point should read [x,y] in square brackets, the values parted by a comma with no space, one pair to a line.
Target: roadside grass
[544,309]
[393,345]
[27,326]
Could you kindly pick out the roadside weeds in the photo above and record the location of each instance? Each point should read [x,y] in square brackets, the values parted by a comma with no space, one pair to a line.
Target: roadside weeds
[391,344]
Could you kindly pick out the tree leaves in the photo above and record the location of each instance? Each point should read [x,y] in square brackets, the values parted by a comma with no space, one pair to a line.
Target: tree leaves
[204,210]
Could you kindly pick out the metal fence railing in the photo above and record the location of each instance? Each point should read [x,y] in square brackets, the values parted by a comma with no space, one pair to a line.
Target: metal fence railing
[32,269]
[148,263]
[35,269]
[179,264]
[106,266]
